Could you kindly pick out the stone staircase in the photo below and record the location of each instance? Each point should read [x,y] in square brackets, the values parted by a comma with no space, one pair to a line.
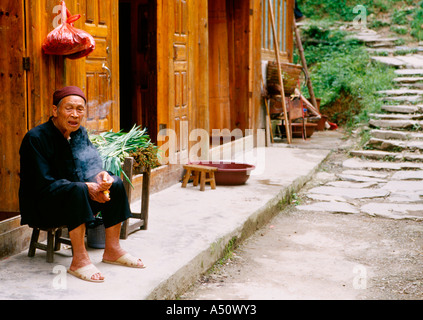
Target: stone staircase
[385,177]
[397,133]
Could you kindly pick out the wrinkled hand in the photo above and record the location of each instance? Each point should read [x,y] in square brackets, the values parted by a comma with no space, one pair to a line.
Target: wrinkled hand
[99,190]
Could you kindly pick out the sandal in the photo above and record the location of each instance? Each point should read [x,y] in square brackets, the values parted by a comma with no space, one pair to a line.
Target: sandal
[86,273]
[128,261]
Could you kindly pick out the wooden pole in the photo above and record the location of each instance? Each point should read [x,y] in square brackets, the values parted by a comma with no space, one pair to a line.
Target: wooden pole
[269,120]
[267,112]
[275,40]
[304,63]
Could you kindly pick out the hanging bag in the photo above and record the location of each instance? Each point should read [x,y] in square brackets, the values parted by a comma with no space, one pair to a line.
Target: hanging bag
[67,40]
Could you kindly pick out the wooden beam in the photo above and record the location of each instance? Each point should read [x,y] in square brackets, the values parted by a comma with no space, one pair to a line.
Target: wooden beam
[304,63]
[285,114]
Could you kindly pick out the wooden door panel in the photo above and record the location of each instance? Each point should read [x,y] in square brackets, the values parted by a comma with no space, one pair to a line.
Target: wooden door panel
[219,77]
[100,73]
[12,101]
[98,96]
[97,66]
[180,104]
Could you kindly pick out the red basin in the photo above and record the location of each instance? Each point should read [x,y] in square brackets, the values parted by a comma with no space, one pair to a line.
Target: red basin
[229,173]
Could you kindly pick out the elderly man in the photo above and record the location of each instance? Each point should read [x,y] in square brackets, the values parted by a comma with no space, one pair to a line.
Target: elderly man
[63,183]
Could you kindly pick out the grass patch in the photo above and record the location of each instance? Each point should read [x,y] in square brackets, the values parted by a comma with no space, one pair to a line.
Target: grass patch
[343,10]
[343,75]
[417,23]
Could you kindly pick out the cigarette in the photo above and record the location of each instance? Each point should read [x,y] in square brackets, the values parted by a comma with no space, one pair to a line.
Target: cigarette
[106,192]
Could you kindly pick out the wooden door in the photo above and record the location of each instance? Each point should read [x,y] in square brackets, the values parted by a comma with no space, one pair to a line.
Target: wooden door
[179,97]
[12,101]
[98,73]
[219,87]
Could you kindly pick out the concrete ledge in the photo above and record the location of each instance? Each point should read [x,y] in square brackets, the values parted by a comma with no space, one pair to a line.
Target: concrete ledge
[188,274]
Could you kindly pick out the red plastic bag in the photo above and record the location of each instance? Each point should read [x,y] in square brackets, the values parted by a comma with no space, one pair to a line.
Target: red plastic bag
[67,40]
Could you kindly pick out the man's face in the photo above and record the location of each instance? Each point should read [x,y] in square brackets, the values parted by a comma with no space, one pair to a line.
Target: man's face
[69,114]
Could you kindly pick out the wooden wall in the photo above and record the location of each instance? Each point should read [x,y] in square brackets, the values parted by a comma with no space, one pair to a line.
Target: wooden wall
[284,16]
[208,68]
[26,95]
[182,68]
[13,97]
[234,62]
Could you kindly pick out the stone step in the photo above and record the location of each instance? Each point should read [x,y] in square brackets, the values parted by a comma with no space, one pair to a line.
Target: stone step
[381,45]
[403,108]
[394,210]
[405,99]
[397,135]
[412,61]
[408,175]
[358,178]
[394,145]
[408,80]
[350,193]
[409,72]
[393,62]
[393,116]
[374,38]
[396,124]
[373,154]
[358,163]
[416,85]
[400,92]
[385,155]
[381,51]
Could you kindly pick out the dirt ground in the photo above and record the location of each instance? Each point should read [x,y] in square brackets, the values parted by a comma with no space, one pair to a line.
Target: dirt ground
[319,255]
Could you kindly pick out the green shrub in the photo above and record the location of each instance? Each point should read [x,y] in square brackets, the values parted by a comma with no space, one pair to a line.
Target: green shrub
[343,9]
[344,76]
[417,22]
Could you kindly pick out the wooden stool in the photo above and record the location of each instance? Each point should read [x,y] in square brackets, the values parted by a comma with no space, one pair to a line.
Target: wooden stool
[54,239]
[199,173]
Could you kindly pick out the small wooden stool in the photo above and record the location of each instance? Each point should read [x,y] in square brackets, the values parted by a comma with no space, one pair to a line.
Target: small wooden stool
[54,239]
[199,172]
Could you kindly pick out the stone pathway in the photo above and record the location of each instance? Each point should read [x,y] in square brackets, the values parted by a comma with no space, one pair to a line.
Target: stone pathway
[385,178]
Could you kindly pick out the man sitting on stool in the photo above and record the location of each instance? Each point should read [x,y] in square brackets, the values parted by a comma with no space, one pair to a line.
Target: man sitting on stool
[63,183]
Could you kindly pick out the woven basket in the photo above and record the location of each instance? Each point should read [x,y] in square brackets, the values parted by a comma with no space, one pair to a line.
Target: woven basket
[291,73]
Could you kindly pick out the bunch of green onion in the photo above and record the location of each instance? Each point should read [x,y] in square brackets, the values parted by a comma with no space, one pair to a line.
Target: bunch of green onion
[115,146]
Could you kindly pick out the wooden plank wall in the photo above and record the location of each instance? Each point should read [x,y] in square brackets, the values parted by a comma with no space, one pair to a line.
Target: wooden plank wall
[234,33]
[239,53]
[224,67]
[98,73]
[26,97]
[47,72]
[12,100]
[255,63]
[197,64]
[219,65]
[284,15]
